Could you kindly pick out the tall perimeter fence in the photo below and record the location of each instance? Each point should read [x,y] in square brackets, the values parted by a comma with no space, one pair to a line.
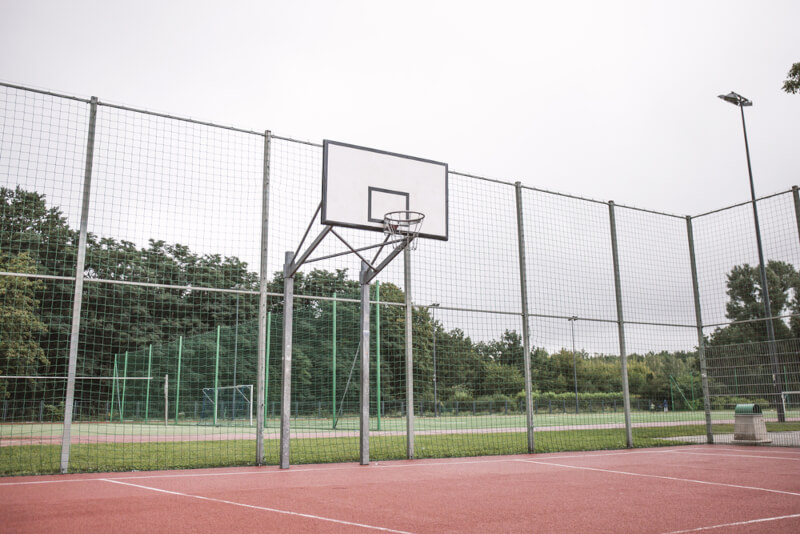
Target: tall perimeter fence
[141,309]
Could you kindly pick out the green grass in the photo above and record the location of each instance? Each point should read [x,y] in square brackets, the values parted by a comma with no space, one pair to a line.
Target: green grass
[461,422]
[217,451]
[771,427]
[42,459]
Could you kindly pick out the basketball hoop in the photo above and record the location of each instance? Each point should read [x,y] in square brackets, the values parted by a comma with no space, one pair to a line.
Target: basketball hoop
[403,224]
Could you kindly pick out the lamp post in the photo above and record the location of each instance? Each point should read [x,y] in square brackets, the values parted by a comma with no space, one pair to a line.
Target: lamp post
[574,361]
[742,102]
[433,307]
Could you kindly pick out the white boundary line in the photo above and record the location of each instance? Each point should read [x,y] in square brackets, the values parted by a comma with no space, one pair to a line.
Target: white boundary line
[737,524]
[389,464]
[267,470]
[395,464]
[254,507]
[725,455]
[788,451]
[662,477]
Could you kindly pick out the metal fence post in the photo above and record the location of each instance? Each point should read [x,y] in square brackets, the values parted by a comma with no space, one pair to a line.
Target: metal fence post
[262,305]
[796,196]
[364,419]
[77,300]
[409,357]
[701,349]
[626,397]
[286,385]
[523,281]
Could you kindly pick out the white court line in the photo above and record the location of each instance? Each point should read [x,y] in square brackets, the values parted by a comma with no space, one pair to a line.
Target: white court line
[662,477]
[254,507]
[393,464]
[268,470]
[772,450]
[737,524]
[724,455]
[31,482]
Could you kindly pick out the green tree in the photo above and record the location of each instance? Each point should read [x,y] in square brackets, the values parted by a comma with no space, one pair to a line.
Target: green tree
[507,350]
[746,305]
[20,352]
[117,317]
[460,368]
[28,226]
[792,83]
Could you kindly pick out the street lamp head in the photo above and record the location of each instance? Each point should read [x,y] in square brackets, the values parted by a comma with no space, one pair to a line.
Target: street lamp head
[434,305]
[736,99]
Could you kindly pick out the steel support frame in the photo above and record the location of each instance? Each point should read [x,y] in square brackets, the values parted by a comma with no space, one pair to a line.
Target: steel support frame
[292,263]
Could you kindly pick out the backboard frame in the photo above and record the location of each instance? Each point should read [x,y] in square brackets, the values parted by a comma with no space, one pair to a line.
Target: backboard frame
[373,220]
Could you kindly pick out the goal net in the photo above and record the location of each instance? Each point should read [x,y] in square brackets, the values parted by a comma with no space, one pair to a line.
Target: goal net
[228,404]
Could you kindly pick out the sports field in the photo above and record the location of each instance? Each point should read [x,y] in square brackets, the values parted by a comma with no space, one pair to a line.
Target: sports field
[387,425]
[35,447]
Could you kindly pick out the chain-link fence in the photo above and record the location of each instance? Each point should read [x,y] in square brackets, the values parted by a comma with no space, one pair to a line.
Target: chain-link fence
[142,309]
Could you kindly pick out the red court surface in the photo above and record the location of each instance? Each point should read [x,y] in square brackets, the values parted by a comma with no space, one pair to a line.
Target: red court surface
[701,488]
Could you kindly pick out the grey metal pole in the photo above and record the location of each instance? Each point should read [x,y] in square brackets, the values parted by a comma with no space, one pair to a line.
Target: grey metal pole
[286,385]
[526,347]
[235,357]
[435,394]
[365,314]
[701,345]
[764,287]
[574,362]
[166,400]
[626,396]
[262,305]
[796,196]
[77,299]
[409,357]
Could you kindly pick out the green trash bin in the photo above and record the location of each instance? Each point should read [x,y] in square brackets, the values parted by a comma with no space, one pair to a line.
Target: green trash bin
[747,409]
[749,427]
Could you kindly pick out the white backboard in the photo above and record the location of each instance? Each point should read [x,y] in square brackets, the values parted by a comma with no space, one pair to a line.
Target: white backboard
[360,185]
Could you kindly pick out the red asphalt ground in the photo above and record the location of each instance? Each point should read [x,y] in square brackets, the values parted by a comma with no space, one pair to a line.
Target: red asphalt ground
[663,490]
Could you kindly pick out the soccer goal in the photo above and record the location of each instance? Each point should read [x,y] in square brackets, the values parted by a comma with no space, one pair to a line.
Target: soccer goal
[229,403]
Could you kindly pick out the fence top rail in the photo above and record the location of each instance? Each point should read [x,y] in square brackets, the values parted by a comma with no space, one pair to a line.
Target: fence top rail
[745,203]
[177,118]
[299,141]
[45,92]
[318,145]
[565,195]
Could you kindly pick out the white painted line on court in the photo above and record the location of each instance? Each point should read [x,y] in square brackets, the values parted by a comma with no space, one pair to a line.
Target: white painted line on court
[268,470]
[772,450]
[31,482]
[736,524]
[725,455]
[254,507]
[174,475]
[662,477]
[393,464]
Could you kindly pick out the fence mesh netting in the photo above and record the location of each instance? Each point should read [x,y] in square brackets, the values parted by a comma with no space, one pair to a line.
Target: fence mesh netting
[164,298]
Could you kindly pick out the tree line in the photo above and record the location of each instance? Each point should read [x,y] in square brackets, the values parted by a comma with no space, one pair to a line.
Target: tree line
[150,296]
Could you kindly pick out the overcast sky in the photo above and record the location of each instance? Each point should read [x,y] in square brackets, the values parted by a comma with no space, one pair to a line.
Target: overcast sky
[613,100]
